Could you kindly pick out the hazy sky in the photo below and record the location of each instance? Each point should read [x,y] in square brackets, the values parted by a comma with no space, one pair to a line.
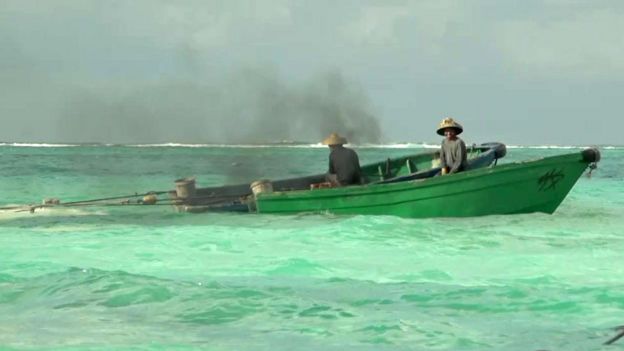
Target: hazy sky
[520,72]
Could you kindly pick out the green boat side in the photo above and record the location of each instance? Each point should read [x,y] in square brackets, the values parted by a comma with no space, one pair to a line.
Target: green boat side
[523,187]
[239,197]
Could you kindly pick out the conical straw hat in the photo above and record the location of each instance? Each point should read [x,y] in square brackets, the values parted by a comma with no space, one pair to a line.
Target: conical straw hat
[334,139]
[449,123]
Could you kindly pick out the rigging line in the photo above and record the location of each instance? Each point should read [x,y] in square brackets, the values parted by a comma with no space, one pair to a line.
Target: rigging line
[33,208]
[148,193]
[117,197]
[164,202]
[8,208]
[617,337]
[94,202]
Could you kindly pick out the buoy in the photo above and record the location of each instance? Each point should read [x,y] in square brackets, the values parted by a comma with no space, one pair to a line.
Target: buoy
[149,199]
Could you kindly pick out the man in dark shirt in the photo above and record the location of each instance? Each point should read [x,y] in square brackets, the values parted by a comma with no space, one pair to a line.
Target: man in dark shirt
[453,156]
[344,164]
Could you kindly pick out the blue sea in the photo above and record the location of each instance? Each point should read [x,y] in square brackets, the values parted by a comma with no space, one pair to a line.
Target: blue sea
[149,278]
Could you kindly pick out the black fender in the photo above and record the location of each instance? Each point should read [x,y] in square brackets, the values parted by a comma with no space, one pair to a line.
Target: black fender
[591,155]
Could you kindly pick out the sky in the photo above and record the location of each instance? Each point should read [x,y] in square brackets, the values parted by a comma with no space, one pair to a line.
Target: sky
[547,72]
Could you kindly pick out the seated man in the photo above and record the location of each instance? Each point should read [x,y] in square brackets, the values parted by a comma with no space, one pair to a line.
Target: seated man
[344,164]
[453,156]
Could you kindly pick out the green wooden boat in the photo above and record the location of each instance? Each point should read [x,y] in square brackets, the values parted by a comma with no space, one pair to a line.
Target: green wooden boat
[522,187]
[407,186]
[296,194]
[381,178]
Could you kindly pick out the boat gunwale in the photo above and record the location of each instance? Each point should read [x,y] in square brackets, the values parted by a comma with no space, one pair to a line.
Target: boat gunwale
[488,148]
[376,189]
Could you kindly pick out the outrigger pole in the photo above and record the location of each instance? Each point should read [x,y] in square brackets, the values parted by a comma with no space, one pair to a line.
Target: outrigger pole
[149,198]
[183,193]
[185,190]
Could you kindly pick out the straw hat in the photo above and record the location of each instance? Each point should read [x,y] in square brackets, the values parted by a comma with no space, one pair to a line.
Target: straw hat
[334,139]
[449,123]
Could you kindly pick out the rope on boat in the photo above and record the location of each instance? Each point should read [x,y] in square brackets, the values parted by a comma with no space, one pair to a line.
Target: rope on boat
[149,198]
[592,166]
[116,197]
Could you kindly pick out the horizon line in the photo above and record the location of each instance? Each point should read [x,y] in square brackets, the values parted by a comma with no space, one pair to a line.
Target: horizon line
[284,143]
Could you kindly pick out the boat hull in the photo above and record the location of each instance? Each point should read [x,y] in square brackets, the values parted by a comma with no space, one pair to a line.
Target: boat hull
[535,186]
[240,198]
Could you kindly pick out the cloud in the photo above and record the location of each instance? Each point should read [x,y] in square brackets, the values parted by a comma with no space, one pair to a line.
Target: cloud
[150,60]
[586,44]
[376,25]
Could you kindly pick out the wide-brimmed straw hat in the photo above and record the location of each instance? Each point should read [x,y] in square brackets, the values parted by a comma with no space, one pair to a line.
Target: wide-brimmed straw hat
[449,123]
[334,139]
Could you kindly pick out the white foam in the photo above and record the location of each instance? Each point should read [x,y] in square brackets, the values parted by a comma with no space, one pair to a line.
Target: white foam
[168,145]
[226,145]
[401,145]
[302,145]
[23,210]
[38,145]
[546,147]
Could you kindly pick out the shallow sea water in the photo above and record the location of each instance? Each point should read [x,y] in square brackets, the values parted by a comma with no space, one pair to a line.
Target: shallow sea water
[152,279]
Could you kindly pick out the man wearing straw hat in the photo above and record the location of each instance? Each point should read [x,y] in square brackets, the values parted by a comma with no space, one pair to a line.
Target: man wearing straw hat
[344,164]
[453,152]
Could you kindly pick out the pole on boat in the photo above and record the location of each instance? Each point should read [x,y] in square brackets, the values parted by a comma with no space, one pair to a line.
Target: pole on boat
[617,337]
[149,198]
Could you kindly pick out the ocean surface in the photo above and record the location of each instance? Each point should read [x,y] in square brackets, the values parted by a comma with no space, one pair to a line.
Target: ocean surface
[148,278]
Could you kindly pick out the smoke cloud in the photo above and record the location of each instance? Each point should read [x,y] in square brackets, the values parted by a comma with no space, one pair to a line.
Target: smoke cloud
[252,105]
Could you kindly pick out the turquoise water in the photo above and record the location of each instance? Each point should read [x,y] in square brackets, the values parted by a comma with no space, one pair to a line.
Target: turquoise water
[151,279]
